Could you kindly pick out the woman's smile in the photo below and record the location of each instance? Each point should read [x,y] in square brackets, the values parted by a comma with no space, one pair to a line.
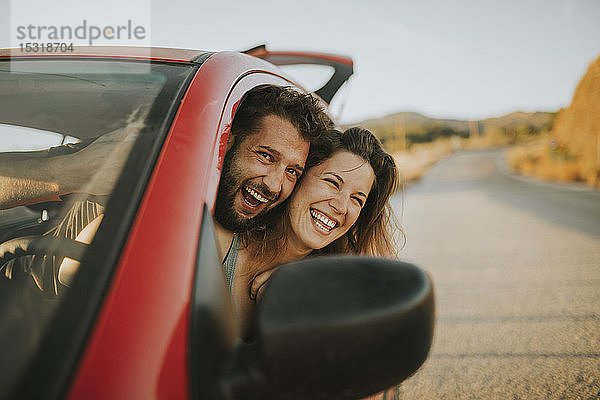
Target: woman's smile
[323,222]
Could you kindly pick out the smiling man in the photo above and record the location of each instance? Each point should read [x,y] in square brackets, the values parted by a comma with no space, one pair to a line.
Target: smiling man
[269,141]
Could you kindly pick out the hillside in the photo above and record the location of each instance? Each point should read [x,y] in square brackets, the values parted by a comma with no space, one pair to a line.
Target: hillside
[401,131]
[577,128]
[572,150]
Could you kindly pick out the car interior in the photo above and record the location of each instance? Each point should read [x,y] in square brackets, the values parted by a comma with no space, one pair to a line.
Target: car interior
[57,110]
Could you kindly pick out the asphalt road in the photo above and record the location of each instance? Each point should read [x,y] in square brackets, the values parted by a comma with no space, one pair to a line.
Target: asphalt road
[516,267]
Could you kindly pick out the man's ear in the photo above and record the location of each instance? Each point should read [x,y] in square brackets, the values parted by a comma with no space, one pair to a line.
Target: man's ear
[230,142]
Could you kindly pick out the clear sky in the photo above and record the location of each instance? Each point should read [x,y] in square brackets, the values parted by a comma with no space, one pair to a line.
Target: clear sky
[456,59]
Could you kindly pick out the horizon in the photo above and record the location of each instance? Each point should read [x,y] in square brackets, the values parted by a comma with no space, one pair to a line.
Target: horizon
[451,118]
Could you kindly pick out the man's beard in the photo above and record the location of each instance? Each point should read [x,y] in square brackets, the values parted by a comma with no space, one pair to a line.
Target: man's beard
[229,184]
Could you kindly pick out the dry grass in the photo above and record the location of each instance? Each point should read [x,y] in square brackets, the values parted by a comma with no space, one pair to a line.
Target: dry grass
[535,158]
[539,160]
[415,162]
[575,152]
[492,138]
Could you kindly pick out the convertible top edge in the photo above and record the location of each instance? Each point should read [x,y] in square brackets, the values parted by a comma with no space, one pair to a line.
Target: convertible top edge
[343,66]
[127,52]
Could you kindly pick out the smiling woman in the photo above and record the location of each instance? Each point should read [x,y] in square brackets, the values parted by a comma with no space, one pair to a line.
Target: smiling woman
[349,181]
[329,200]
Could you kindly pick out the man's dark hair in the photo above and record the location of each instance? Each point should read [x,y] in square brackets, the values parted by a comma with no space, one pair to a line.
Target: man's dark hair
[302,110]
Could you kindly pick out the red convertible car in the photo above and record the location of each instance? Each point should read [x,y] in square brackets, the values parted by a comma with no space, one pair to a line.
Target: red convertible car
[115,290]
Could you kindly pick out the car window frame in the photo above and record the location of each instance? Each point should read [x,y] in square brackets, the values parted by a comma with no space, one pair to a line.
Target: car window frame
[211,314]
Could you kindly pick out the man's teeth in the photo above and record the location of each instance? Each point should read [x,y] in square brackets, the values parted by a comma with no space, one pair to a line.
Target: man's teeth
[256,195]
[327,224]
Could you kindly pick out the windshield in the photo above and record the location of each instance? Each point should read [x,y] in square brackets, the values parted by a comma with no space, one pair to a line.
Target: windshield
[69,130]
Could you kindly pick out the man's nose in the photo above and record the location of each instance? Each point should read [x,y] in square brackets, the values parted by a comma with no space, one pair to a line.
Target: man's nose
[340,203]
[274,180]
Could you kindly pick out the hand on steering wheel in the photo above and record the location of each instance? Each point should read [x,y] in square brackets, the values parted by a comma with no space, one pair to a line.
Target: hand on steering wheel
[49,246]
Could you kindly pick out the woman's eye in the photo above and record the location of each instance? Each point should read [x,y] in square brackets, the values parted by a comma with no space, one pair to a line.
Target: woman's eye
[333,182]
[358,200]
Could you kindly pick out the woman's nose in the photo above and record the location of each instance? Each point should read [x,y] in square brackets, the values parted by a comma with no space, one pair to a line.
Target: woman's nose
[340,203]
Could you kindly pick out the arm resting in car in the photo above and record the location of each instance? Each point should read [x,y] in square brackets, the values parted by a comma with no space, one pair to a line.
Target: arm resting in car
[33,177]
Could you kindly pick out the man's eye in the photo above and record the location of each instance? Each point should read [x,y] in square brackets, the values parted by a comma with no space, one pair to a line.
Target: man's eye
[293,172]
[266,156]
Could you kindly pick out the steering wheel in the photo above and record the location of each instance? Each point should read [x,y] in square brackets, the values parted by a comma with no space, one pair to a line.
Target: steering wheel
[45,278]
[46,245]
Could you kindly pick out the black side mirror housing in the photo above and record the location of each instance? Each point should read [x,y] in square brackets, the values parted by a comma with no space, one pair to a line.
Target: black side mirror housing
[336,328]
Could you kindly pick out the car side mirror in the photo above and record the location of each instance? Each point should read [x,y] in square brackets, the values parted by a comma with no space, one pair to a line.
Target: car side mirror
[336,328]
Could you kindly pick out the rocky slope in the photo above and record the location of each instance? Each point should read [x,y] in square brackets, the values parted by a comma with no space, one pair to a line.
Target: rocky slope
[576,130]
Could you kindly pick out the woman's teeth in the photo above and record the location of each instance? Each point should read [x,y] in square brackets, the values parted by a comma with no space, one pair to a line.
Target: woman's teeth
[322,221]
[256,195]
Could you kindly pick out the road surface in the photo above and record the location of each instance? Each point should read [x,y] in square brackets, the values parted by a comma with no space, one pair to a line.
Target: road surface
[516,267]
